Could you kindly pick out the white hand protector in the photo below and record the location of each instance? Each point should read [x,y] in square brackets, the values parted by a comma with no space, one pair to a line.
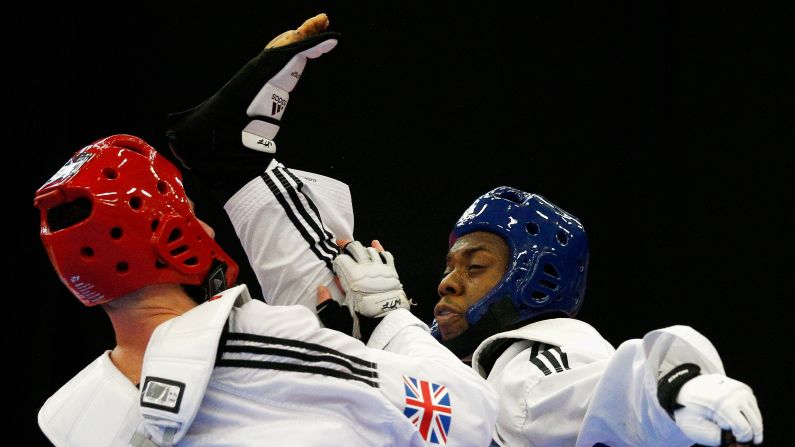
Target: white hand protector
[370,281]
[273,97]
[714,402]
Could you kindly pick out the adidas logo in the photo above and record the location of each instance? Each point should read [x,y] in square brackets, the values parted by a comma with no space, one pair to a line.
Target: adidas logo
[278,104]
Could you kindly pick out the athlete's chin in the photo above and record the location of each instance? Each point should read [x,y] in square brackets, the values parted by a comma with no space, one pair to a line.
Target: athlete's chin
[453,328]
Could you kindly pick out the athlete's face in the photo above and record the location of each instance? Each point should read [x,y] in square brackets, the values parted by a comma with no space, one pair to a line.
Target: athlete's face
[475,264]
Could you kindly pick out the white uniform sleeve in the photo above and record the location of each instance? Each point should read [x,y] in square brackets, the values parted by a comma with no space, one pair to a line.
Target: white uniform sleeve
[287,222]
[447,400]
[624,409]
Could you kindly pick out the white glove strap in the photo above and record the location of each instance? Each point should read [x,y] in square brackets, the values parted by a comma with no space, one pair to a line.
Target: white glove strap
[379,304]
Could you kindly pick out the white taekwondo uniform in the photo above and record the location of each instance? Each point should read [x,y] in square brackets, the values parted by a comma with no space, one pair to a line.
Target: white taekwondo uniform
[235,371]
[561,384]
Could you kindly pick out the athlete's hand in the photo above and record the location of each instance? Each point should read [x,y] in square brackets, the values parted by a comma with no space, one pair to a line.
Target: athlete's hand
[718,410]
[369,279]
[372,289]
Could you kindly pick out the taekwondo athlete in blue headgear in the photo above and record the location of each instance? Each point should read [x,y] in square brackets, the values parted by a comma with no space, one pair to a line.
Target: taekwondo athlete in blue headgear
[514,280]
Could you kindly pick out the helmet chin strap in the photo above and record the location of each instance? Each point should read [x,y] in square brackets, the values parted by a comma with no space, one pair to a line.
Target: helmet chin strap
[500,317]
[214,283]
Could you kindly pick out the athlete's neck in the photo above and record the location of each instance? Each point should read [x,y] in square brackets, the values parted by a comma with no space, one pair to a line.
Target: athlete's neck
[136,316]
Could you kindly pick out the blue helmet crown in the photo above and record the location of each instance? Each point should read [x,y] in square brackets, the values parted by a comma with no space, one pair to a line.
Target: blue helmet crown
[548,260]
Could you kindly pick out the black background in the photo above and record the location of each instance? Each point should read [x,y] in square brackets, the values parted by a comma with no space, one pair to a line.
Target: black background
[666,128]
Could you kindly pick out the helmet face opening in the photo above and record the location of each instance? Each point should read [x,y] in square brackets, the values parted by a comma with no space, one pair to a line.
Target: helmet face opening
[548,259]
[116,218]
[68,214]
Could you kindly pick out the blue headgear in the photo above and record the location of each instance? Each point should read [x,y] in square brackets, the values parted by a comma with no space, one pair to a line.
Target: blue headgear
[548,259]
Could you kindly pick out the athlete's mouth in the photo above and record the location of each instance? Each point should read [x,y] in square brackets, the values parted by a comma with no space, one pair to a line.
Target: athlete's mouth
[444,312]
[450,320]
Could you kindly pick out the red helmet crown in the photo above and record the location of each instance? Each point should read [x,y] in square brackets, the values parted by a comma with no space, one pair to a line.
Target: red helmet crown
[115,218]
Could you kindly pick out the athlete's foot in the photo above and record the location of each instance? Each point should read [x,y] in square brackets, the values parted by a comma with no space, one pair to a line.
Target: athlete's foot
[216,138]
[310,27]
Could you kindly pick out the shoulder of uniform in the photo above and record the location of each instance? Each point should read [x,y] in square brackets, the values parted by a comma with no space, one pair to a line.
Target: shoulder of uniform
[94,406]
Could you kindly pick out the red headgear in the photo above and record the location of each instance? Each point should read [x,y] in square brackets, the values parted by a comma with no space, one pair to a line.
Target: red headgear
[115,218]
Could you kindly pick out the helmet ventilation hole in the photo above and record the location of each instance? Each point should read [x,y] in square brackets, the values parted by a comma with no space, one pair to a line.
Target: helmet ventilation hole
[122,267]
[562,237]
[162,187]
[155,224]
[191,261]
[550,270]
[136,202]
[179,250]
[129,146]
[116,232]
[86,252]
[509,194]
[175,234]
[532,228]
[110,173]
[548,284]
[538,295]
[160,265]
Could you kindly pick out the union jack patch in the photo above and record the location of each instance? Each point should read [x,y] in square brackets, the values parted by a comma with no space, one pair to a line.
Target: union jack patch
[428,408]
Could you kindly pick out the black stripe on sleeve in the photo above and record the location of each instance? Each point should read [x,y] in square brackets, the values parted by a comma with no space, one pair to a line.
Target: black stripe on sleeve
[313,207]
[534,350]
[540,366]
[307,357]
[555,363]
[563,357]
[294,219]
[291,192]
[293,367]
[298,344]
